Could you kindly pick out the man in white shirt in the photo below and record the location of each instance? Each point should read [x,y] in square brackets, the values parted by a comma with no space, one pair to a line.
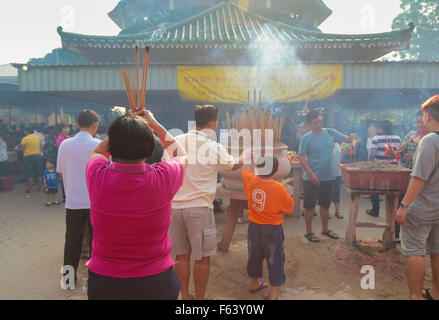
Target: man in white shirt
[372,130]
[43,141]
[192,227]
[73,155]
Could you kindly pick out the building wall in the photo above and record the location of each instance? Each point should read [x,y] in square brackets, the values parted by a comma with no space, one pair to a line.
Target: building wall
[365,76]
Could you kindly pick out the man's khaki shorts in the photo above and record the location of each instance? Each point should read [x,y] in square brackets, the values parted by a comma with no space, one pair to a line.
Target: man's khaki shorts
[193,231]
[419,237]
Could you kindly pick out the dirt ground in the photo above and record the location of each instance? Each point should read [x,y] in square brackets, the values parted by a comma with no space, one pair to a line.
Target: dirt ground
[32,246]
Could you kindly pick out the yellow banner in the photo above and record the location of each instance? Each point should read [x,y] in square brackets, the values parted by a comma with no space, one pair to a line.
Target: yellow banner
[229,84]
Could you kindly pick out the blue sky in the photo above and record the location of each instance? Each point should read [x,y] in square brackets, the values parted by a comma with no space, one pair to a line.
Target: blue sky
[28,27]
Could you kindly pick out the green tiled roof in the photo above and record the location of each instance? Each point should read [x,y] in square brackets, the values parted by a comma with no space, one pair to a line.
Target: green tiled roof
[129,13]
[58,57]
[163,17]
[235,31]
[120,5]
[227,25]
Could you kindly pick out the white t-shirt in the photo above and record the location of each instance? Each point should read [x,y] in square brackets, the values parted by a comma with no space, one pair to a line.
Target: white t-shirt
[200,175]
[369,146]
[73,155]
[42,143]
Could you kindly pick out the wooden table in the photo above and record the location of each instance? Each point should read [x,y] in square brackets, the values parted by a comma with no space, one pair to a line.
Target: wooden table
[235,210]
[392,201]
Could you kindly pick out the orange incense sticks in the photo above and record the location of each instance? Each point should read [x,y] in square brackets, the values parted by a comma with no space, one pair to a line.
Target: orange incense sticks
[136,89]
[256,118]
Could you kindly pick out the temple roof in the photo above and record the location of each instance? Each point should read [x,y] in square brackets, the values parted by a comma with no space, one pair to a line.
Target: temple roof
[324,13]
[175,16]
[129,13]
[228,26]
[58,57]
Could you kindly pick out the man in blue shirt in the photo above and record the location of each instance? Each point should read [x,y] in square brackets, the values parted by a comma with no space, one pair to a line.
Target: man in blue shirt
[315,154]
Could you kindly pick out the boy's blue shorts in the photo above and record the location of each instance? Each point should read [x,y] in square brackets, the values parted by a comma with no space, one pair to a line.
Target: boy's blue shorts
[266,242]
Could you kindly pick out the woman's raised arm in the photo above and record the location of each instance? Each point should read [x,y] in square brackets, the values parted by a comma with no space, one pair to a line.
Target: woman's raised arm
[172,147]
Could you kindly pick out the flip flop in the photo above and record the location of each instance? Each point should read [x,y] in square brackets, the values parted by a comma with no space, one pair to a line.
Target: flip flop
[311,237]
[338,215]
[426,294]
[267,297]
[262,285]
[331,234]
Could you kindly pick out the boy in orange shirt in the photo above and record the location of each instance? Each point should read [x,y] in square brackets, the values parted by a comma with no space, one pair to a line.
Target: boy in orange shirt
[267,200]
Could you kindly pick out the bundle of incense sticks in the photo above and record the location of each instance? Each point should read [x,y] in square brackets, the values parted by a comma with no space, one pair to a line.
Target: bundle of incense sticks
[136,89]
[255,117]
[403,146]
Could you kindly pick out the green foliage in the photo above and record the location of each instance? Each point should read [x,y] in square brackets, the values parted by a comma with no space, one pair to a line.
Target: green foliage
[425,38]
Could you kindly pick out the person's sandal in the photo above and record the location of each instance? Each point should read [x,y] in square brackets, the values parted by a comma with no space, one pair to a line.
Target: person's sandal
[311,237]
[331,234]
[262,285]
[338,215]
[426,294]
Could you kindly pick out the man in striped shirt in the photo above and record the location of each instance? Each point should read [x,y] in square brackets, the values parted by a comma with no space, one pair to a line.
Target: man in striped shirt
[383,149]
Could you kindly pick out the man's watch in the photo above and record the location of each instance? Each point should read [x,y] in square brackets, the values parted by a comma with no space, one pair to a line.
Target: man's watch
[403,205]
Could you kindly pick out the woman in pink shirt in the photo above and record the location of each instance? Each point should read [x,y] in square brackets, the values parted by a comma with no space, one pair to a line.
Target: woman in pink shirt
[65,130]
[131,212]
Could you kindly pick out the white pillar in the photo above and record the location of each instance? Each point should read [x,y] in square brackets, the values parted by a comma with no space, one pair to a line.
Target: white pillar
[268,3]
[171,4]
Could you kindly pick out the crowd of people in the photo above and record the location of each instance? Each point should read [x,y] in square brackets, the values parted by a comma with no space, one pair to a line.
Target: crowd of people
[145,201]
[37,149]
[127,203]
[418,211]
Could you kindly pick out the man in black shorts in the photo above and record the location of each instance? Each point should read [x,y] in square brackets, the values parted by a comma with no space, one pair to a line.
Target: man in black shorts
[315,154]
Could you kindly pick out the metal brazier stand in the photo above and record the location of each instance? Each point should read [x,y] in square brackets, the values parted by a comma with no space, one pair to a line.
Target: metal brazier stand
[391,181]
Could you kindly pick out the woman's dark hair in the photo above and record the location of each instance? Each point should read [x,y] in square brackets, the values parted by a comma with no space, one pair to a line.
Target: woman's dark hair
[310,116]
[130,138]
[86,118]
[157,154]
[204,114]
[269,165]
[386,126]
